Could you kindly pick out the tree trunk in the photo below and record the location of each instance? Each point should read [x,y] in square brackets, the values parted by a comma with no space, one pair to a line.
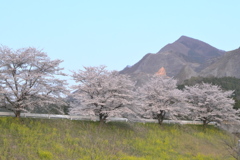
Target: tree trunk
[102,121]
[205,123]
[161,116]
[102,118]
[17,114]
[160,121]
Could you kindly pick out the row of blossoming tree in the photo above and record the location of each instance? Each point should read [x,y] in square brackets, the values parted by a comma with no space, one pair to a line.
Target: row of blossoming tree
[28,80]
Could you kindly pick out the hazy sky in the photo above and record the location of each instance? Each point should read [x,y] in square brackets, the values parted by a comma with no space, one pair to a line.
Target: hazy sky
[115,33]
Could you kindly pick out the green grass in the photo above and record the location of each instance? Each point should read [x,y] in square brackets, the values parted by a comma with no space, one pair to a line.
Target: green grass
[78,140]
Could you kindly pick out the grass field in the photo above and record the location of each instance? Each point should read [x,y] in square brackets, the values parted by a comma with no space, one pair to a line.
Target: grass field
[23,139]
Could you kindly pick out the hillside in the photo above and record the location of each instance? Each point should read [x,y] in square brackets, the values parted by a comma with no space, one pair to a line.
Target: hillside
[227,66]
[185,73]
[63,139]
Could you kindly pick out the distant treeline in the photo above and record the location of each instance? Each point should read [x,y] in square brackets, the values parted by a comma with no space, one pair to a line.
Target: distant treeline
[226,83]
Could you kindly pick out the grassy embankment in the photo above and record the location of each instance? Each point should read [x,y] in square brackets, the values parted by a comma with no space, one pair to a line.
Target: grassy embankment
[64,139]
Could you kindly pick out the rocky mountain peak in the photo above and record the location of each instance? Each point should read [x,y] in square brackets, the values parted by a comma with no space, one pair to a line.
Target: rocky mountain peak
[186,39]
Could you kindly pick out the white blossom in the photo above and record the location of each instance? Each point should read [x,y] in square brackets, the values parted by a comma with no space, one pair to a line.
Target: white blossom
[210,103]
[101,92]
[159,97]
[27,80]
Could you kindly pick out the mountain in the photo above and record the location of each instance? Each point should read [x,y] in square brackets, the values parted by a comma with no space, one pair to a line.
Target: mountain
[226,66]
[185,73]
[174,57]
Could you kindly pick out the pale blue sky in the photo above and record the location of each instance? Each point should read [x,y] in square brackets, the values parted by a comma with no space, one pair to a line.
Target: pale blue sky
[115,33]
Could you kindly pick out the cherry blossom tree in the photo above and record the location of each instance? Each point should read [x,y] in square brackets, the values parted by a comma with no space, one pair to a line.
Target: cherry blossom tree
[160,96]
[27,80]
[102,93]
[210,103]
